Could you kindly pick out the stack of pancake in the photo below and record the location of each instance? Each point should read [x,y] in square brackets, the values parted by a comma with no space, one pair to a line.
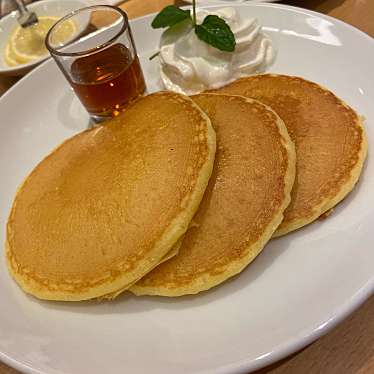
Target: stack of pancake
[178,194]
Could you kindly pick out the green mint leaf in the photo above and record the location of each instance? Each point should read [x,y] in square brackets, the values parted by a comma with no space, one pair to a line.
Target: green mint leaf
[216,32]
[170,16]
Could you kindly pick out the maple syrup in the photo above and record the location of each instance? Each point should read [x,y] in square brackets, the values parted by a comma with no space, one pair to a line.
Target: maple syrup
[107,81]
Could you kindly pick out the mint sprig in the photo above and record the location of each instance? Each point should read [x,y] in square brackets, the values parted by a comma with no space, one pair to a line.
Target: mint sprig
[170,16]
[214,30]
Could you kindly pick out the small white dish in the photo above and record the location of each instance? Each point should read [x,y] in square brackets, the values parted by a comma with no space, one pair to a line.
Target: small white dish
[57,8]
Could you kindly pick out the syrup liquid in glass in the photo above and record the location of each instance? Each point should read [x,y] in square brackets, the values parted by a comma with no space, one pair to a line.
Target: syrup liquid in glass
[107,81]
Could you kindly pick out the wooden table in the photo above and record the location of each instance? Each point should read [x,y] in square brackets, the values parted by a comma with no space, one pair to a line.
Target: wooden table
[349,348]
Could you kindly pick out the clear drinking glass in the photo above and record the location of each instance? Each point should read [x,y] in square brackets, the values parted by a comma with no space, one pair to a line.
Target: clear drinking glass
[98,58]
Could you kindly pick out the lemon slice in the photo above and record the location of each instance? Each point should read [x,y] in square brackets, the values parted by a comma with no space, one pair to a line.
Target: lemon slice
[27,44]
[10,58]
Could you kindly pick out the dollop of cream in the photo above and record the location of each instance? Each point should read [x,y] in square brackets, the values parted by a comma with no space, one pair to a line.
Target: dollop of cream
[189,65]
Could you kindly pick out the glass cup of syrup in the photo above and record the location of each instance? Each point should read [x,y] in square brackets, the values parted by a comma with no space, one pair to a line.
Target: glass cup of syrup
[98,59]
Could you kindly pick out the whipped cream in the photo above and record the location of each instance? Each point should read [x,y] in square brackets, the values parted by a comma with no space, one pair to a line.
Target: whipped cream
[189,65]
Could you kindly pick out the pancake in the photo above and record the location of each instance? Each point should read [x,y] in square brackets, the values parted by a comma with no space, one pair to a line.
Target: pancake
[243,205]
[173,252]
[329,138]
[108,204]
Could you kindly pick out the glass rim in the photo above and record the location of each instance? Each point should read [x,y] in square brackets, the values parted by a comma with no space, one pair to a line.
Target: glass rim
[54,51]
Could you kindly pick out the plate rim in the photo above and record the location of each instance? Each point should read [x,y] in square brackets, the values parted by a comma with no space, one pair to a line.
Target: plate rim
[305,337]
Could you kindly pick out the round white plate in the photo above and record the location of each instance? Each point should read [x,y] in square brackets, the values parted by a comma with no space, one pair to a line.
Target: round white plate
[298,288]
[56,8]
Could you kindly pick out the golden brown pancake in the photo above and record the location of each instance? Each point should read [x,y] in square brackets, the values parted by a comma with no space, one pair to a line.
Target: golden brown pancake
[243,204]
[173,252]
[109,203]
[329,137]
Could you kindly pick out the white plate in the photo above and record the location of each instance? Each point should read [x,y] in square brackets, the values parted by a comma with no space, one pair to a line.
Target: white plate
[298,288]
[57,8]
